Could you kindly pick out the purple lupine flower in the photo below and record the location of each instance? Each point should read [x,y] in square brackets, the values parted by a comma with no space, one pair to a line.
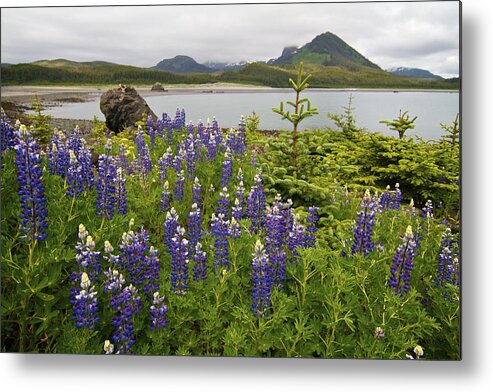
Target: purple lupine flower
[448,261]
[385,199]
[219,230]
[428,210]
[87,166]
[164,163]
[74,176]
[287,213]
[197,193]
[85,304]
[158,312]
[223,202]
[237,210]
[123,159]
[114,281]
[402,264]
[211,149]
[143,161]
[126,304]
[179,262]
[190,158]
[151,131]
[261,280]
[227,168]
[121,192]
[396,198]
[363,231]
[170,226]
[194,226]
[33,202]
[168,124]
[199,259]
[256,204]
[106,184]
[160,128]
[311,228]
[58,154]
[87,258]
[253,160]
[6,133]
[178,160]
[240,194]
[165,198]
[180,181]
[241,137]
[276,233]
[295,236]
[139,260]
[190,129]
[231,140]
[234,228]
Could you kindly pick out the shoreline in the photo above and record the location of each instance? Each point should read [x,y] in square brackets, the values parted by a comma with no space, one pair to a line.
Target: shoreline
[64,94]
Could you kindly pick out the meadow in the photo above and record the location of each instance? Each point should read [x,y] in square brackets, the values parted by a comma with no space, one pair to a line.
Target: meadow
[176,238]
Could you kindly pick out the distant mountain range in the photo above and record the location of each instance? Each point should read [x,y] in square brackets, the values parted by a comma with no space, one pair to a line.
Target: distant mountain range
[331,62]
[413,73]
[186,64]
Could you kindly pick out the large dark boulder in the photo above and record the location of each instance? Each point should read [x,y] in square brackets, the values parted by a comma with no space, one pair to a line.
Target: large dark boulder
[123,107]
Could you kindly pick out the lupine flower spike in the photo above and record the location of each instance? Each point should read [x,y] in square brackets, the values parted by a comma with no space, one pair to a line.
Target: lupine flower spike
[402,264]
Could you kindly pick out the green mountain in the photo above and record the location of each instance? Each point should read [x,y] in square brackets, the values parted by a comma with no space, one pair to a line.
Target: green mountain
[326,49]
[89,73]
[182,65]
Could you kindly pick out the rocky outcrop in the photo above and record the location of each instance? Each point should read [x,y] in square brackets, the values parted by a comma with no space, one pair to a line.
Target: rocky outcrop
[123,107]
[157,87]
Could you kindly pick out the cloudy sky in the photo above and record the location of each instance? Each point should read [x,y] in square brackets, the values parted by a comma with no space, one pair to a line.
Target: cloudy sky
[390,34]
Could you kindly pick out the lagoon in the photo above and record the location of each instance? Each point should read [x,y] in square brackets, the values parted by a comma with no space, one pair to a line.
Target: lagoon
[431,107]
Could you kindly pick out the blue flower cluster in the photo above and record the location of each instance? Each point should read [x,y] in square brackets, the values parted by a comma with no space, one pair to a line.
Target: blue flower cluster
[31,190]
[158,312]
[362,242]
[311,227]
[256,204]
[402,264]
[126,304]
[85,304]
[448,261]
[261,281]
[106,184]
[139,261]
[220,232]
[199,259]
[179,262]
[276,235]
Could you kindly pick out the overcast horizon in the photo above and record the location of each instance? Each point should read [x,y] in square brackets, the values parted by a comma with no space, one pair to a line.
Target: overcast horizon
[417,35]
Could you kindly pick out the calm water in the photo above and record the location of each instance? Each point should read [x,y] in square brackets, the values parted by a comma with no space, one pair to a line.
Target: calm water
[432,108]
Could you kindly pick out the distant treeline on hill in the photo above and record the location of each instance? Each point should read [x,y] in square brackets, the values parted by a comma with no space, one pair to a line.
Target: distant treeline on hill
[261,74]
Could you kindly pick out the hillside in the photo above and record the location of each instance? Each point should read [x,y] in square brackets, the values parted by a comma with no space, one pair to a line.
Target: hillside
[182,65]
[326,49]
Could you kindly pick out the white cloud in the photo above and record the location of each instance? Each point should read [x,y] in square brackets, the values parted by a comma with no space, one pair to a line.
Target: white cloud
[423,34]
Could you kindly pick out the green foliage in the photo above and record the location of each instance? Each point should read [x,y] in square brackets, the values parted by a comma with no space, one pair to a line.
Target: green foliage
[39,121]
[332,304]
[299,106]
[401,124]
[346,122]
